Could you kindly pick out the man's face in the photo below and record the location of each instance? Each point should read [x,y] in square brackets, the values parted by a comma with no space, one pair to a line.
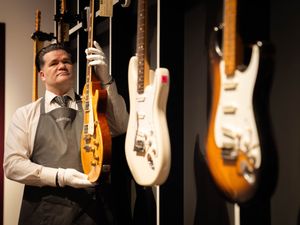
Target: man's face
[57,72]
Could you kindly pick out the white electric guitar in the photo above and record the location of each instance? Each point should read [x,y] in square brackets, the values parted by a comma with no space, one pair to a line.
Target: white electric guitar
[147,144]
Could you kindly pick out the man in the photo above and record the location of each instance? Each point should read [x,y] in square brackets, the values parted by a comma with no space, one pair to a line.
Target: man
[43,145]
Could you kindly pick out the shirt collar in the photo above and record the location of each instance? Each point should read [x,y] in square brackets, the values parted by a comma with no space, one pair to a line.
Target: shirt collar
[49,96]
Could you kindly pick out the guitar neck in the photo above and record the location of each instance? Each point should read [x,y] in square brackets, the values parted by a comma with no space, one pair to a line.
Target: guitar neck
[62,26]
[90,28]
[142,45]
[229,36]
[36,47]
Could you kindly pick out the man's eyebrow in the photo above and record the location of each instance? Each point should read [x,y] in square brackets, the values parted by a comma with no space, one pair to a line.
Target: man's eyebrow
[53,60]
[56,60]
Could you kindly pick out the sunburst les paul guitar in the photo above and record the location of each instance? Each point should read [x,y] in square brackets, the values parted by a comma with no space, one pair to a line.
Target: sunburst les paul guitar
[95,137]
[233,143]
[147,144]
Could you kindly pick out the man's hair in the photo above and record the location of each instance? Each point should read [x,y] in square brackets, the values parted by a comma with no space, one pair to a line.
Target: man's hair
[39,59]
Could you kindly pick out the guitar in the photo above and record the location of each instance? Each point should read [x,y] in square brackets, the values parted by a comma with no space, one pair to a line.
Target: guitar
[147,143]
[95,136]
[62,27]
[234,140]
[37,44]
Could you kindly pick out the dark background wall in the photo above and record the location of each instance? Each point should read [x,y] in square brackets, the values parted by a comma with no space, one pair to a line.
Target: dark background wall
[272,21]
[285,108]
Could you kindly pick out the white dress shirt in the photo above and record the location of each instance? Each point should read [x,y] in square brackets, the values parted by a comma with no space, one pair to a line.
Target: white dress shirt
[22,129]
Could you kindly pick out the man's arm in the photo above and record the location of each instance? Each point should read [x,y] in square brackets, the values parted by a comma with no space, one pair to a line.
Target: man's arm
[18,166]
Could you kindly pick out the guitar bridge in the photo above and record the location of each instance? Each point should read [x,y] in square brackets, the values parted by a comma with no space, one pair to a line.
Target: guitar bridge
[229,152]
[139,146]
[140,139]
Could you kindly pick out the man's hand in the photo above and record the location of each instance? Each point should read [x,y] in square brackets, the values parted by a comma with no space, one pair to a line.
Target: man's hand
[73,178]
[96,57]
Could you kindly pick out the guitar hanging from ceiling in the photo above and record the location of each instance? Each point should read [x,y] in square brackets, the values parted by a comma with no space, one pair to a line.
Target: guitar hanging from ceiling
[235,139]
[147,144]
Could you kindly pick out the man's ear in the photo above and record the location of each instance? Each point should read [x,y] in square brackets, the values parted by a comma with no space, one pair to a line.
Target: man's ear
[42,75]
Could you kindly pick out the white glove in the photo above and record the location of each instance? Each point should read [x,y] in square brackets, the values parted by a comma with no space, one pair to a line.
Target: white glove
[73,178]
[96,57]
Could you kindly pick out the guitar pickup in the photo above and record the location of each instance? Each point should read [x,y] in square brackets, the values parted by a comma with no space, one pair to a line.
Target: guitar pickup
[229,133]
[228,145]
[140,99]
[140,116]
[229,109]
[230,86]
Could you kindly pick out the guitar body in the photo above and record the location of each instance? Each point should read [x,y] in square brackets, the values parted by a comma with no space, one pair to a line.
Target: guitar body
[233,143]
[95,138]
[105,130]
[147,144]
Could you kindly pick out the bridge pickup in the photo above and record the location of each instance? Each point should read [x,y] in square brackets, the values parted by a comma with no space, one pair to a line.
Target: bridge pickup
[229,133]
[140,116]
[228,145]
[229,109]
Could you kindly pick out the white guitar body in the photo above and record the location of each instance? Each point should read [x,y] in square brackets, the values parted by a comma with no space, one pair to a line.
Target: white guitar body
[235,128]
[147,144]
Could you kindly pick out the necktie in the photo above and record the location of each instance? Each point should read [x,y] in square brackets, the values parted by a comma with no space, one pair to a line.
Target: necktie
[62,100]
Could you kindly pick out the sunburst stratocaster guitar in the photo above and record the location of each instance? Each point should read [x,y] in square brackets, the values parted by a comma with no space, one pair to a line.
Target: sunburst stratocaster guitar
[95,137]
[234,140]
[147,144]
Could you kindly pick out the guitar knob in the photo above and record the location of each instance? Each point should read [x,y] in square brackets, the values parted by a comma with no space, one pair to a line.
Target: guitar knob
[87,138]
[247,171]
[96,157]
[154,152]
[150,161]
[87,148]
[94,163]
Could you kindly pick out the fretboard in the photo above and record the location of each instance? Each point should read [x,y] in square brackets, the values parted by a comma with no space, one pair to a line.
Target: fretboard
[229,36]
[142,48]
[90,27]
